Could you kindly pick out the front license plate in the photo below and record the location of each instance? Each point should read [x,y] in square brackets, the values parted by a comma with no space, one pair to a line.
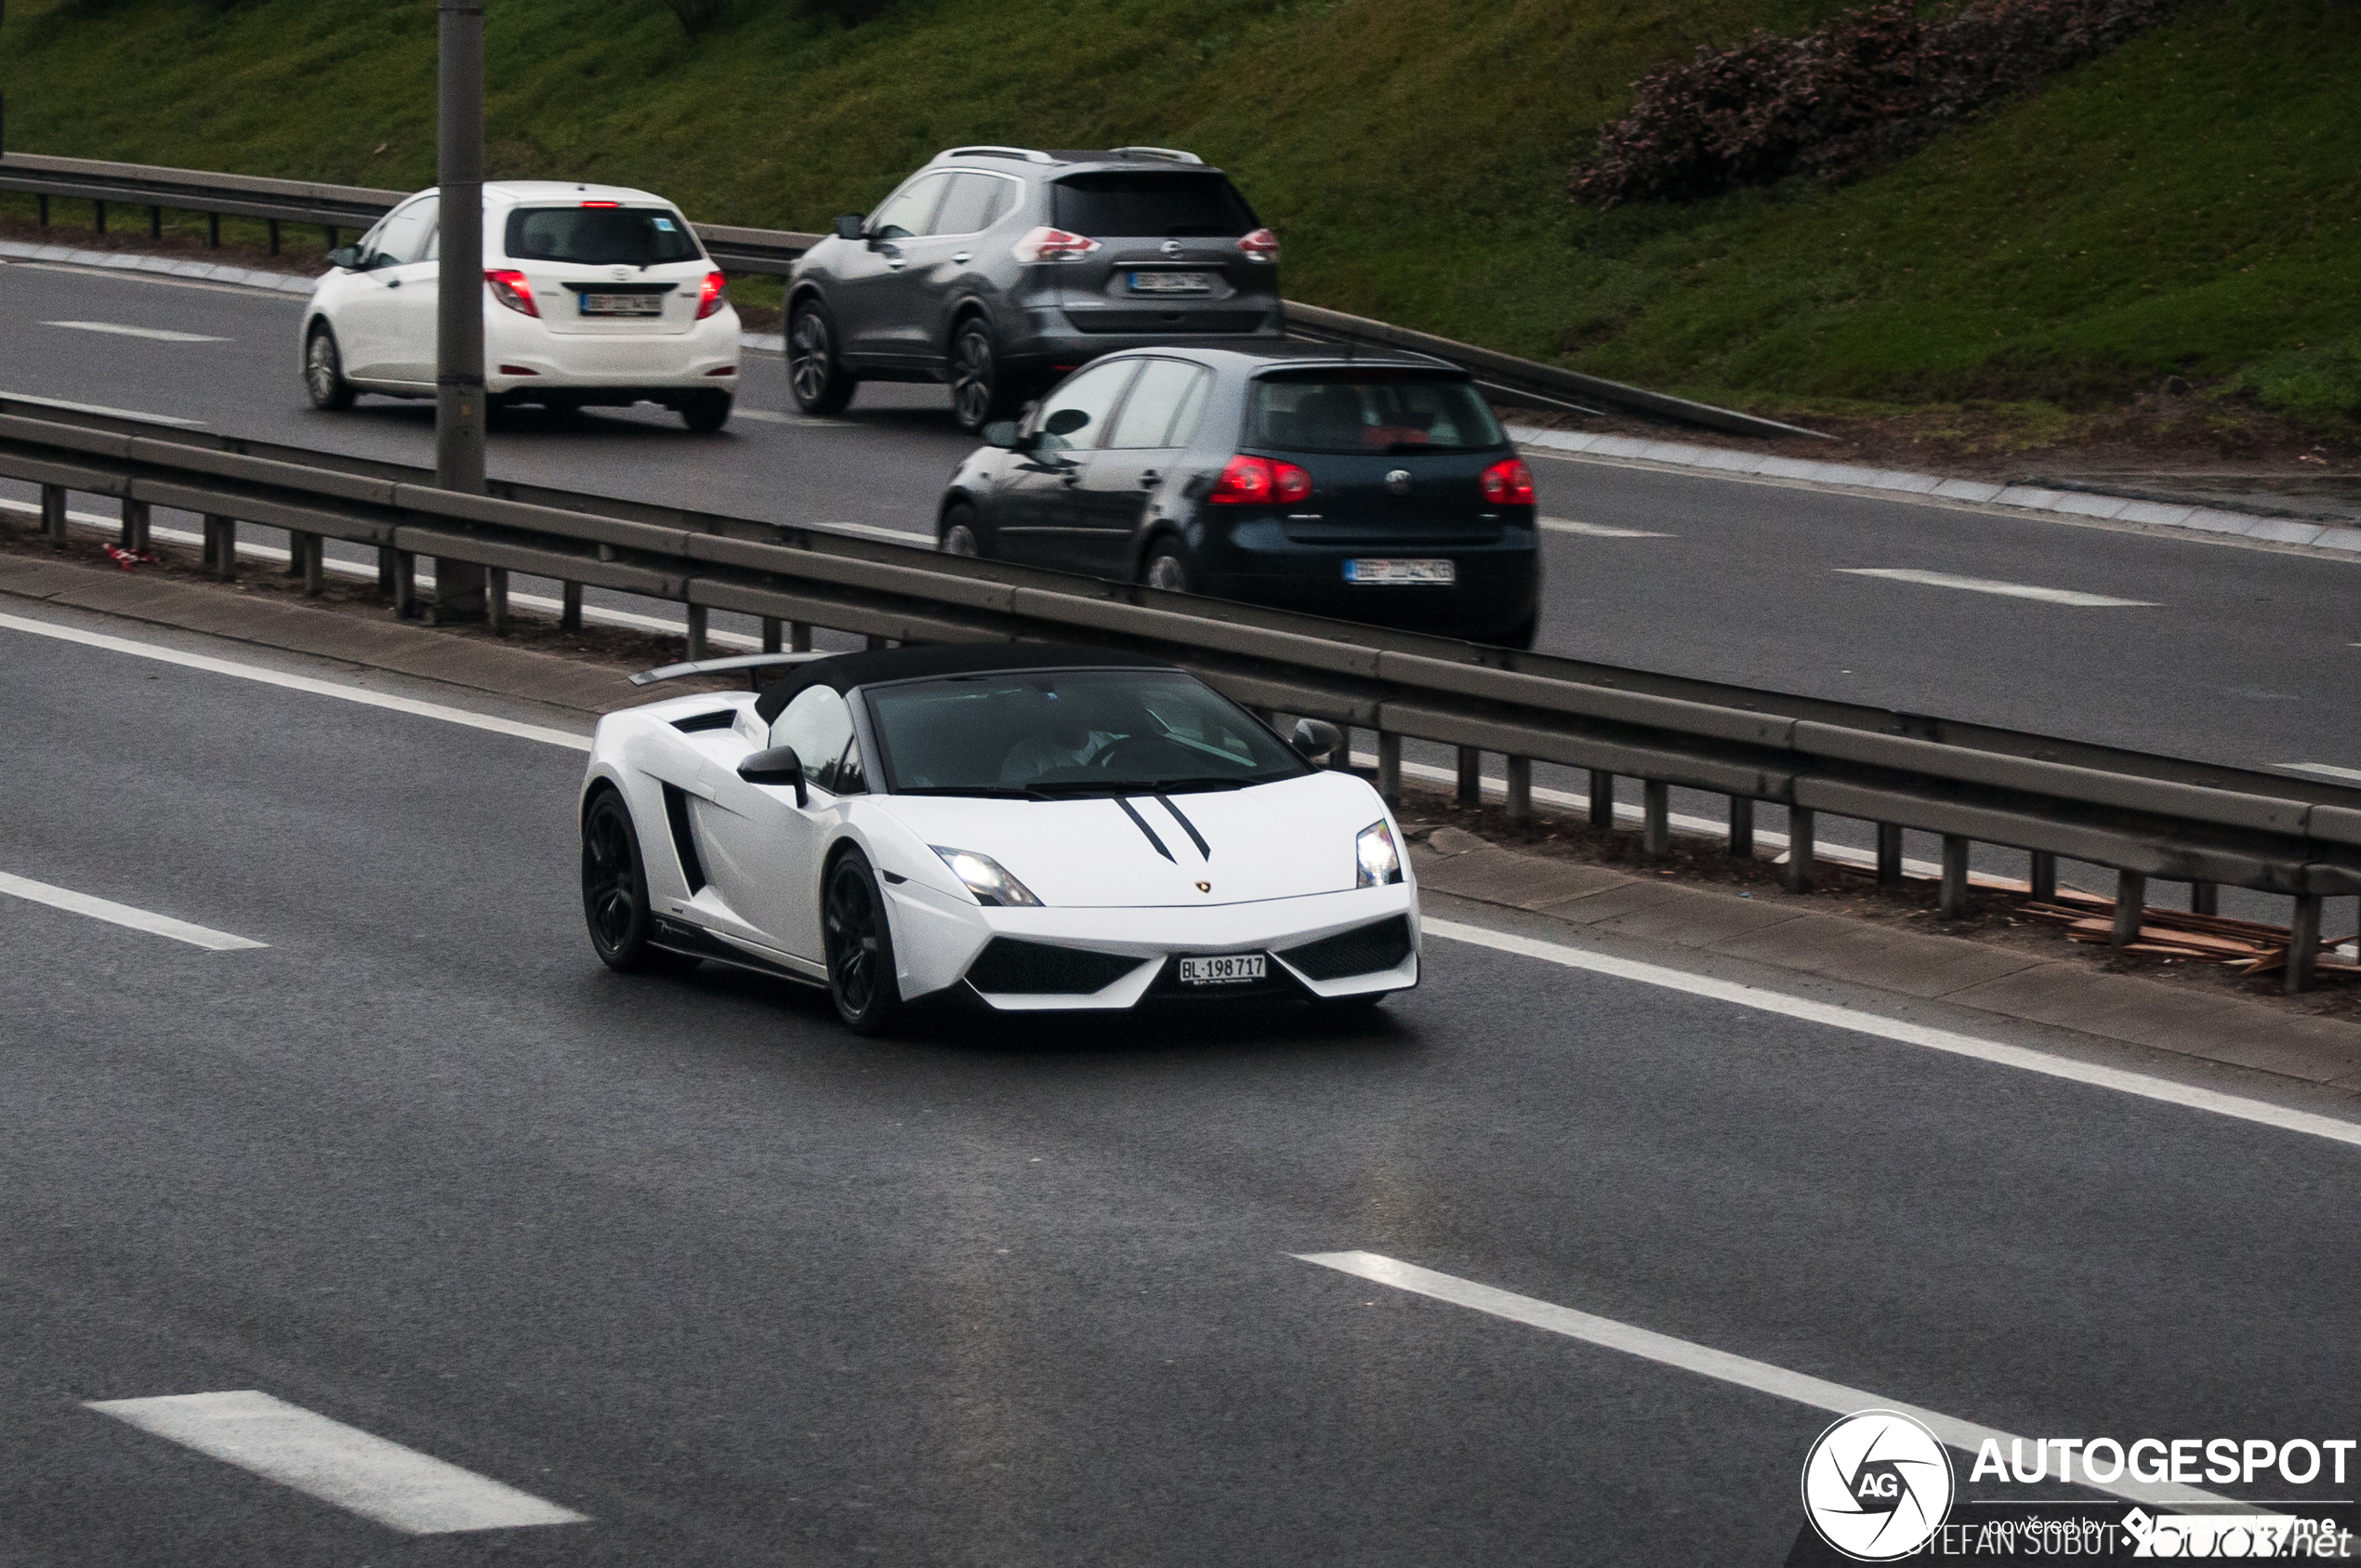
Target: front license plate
[1232,968]
[622,304]
[1172,283]
[1434,573]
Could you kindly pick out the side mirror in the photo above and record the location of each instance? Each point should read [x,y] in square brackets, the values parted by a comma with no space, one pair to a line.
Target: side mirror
[347,257]
[1065,421]
[1318,742]
[848,225]
[1001,433]
[778,765]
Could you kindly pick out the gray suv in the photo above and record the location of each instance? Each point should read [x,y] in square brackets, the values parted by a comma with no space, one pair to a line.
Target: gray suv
[1001,269]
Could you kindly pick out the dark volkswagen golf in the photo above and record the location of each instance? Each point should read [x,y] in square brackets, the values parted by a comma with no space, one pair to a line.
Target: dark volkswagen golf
[1376,489]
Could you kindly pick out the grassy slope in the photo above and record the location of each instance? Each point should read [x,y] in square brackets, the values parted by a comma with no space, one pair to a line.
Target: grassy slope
[2187,204]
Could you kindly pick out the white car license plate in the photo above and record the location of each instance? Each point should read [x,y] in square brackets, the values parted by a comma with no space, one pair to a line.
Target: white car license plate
[1171,283]
[1439,573]
[623,304]
[1229,968]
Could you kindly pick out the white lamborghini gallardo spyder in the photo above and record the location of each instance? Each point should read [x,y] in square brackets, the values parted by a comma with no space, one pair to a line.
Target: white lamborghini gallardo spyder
[1026,825]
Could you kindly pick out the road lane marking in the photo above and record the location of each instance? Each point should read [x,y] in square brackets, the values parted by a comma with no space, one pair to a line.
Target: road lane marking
[1988,585]
[1599,530]
[1861,1022]
[124,915]
[160,335]
[1720,1365]
[2326,769]
[112,413]
[355,1470]
[298,682]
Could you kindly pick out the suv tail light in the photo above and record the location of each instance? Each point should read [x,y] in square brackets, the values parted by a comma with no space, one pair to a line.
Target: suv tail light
[713,295]
[1508,483]
[1045,244]
[1260,245]
[513,290]
[1253,481]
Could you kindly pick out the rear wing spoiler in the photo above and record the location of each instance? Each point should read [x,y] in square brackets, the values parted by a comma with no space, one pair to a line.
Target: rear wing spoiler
[724,666]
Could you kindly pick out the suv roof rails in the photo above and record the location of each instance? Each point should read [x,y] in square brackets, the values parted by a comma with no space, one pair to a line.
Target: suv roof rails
[1174,153]
[1030,154]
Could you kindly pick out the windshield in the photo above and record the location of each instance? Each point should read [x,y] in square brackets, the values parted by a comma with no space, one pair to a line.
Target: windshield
[1134,205]
[1048,734]
[1370,411]
[601,236]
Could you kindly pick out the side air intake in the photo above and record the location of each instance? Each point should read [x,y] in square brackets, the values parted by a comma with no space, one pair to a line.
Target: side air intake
[1011,967]
[1362,951]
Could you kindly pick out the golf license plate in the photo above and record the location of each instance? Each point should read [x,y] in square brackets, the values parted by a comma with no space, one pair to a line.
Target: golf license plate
[1434,573]
[1172,283]
[622,304]
[1228,968]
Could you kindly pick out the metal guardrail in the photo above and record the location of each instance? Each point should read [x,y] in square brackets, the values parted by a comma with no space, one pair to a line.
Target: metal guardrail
[2146,816]
[773,252]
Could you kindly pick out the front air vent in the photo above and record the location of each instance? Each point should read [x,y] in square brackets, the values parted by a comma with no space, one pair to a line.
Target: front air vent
[1362,951]
[1011,967]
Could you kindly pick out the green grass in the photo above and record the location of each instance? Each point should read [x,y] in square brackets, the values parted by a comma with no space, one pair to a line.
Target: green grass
[2186,205]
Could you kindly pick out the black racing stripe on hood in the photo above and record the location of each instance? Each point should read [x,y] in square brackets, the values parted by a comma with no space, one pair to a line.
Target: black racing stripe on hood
[1186,826]
[1142,823]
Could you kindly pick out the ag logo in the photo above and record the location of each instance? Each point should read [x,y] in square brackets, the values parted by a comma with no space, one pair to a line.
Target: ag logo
[1877,1485]
[1398,482]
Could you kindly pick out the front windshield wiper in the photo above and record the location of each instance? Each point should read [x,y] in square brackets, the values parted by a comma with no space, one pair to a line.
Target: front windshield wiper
[1196,787]
[985,792]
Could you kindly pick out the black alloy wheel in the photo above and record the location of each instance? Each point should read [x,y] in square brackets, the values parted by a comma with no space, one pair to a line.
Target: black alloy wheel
[706,411]
[979,387]
[959,531]
[324,372]
[614,892]
[859,947]
[820,385]
[1167,568]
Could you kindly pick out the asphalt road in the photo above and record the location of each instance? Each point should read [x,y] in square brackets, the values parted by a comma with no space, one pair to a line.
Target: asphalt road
[683,1256]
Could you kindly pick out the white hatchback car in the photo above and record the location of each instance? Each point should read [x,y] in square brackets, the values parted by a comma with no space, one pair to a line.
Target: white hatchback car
[594,295]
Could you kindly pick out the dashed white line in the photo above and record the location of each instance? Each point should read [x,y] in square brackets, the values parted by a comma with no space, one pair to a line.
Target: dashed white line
[1688,1356]
[359,1471]
[124,915]
[160,335]
[1599,530]
[1988,585]
[2326,769]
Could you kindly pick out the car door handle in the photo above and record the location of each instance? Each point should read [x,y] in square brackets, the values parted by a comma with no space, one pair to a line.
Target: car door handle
[964,256]
[393,283]
[1148,477]
[896,263]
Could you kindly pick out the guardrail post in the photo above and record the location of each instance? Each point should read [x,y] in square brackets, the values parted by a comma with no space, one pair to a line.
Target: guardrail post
[53,514]
[405,586]
[696,632]
[1799,856]
[1602,798]
[1390,767]
[221,546]
[1655,836]
[1520,770]
[212,230]
[155,223]
[798,637]
[333,233]
[2041,877]
[2205,898]
[1471,791]
[2130,903]
[495,599]
[1955,877]
[275,234]
[2303,943]
[769,634]
[135,524]
[570,606]
[98,217]
[1742,827]
[314,551]
[1889,854]
[41,206]
[387,575]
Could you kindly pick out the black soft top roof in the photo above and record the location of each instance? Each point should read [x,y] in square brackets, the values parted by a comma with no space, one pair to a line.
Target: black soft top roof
[846,671]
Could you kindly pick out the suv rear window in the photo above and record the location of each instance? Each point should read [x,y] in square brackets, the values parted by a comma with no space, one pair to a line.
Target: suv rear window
[632,236]
[1163,204]
[1370,411]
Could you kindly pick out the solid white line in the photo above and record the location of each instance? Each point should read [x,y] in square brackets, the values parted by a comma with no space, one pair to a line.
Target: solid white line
[124,915]
[355,1470]
[1988,585]
[1760,1376]
[161,335]
[2326,771]
[1599,529]
[299,683]
[1882,1028]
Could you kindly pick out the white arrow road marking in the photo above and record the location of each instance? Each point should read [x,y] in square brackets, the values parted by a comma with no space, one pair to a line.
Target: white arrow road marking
[159,334]
[124,915]
[1987,584]
[398,1487]
[1760,1376]
[1599,529]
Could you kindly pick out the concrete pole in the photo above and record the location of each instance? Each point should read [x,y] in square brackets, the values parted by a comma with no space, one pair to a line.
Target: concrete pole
[459,424]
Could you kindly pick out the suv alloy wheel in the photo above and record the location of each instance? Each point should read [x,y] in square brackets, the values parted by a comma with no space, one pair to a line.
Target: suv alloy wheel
[979,389]
[819,381]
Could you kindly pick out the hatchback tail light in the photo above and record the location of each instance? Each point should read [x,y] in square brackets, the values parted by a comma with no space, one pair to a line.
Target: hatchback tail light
[514,290]
[1250,482]
[1260,245]
[1508,483]
[1045,244]
[602,204]
[713,295]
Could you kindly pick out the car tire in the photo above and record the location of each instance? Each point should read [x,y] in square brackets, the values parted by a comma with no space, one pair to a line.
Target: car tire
[614,893]
[858,941]
[323,371]
[815,376]
[1167,567]
[979,383]
[960,535]
[708,411]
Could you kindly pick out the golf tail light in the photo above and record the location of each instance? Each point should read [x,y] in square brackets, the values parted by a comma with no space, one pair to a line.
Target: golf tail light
[1260,245]
[713,295]
[984,878]
[1045,244]
[1378,862]
[1508,483]
[1250,482]
[514,290]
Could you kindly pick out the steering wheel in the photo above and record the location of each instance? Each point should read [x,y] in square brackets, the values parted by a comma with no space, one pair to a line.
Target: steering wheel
[1134,749]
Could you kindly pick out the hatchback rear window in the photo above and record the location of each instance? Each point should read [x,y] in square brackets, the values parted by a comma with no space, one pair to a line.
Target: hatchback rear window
[1370,411]
[632,236]
[1178,206]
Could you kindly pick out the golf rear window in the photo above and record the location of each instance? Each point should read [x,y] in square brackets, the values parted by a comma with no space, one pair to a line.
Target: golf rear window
[1370,411]
[1174,205]
[601,236]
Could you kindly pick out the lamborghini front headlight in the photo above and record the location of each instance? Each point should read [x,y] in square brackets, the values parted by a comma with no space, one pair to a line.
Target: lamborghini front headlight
[1378,862]
[986,879]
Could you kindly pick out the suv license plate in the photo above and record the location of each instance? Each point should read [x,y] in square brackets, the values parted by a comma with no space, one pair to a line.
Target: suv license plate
[622,304]
[1232,968]
[1171,283]
[1436,573]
